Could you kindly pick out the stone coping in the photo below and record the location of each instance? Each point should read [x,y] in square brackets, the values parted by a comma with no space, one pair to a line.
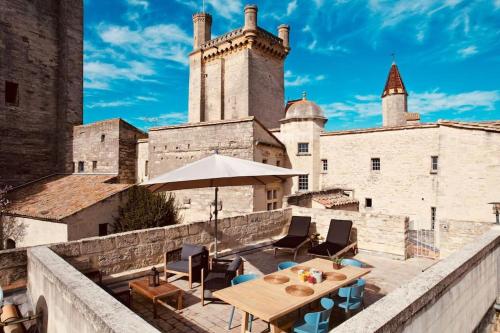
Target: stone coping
[396,309]
[95,305]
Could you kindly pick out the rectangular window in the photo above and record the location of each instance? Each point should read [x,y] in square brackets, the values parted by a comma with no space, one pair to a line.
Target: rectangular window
[94,166]
[324,164]
[434,163]
[103,229]
[81,166]
[278,163]
[433,217]
[146,166]
[375,164]
[73,168]
[103,137]
[368,203]
[303,182]
[264,161]
[11,93]
[272,199]
[303,148]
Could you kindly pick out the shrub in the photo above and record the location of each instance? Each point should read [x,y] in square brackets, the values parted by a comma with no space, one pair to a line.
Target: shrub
[145,209]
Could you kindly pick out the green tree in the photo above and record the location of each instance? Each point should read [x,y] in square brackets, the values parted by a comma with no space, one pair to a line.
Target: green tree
[145,209]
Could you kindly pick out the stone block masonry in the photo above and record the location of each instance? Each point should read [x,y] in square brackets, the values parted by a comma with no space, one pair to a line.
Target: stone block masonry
[379,233]
[41,64]
[142,248]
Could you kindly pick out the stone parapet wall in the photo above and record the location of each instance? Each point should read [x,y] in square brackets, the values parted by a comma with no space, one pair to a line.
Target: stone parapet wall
[454,295]
[12,267]
[454,234]
[386,234]
[142,248]
[70,302]
[138,249]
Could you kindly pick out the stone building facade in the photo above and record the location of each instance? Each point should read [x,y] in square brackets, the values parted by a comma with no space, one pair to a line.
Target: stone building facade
[108,146]
[41,75]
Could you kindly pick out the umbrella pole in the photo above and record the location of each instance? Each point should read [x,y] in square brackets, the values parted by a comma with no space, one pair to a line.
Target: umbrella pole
[215,213]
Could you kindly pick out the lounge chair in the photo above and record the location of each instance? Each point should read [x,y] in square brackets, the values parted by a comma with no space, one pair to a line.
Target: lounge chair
[186,261]
[218,276]
[337,241]
[298,235]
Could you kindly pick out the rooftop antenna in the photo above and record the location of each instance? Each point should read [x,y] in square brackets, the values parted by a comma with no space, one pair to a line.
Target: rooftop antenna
[203,6]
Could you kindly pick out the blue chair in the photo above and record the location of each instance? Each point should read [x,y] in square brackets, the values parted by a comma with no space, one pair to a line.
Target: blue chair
[315,322]
[237,280]
[286,264]
[351,262]
[352,296]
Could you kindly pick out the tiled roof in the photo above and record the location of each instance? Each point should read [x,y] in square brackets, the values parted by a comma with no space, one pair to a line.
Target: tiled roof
[491,126]
[381,129]
[394,83]
[335,200]
[59,196]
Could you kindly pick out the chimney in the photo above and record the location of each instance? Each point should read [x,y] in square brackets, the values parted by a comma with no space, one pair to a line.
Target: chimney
[284,34]
[202,29]
[250,17]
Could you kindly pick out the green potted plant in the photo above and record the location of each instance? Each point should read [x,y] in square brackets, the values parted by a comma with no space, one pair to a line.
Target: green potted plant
[336,261]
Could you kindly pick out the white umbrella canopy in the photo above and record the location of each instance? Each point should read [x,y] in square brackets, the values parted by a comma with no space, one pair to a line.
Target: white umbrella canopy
[218,171]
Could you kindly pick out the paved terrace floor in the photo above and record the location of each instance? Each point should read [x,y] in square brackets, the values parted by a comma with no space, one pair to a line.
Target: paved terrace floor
[386,275]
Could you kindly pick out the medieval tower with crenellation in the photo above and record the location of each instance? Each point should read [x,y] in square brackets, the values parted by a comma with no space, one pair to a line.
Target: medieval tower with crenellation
[238,74]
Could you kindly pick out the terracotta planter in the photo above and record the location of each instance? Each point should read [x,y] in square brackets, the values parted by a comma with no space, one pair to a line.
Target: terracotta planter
[336,265]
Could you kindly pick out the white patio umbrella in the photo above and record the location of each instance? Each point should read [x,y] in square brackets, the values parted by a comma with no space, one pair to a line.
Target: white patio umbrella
[219,171]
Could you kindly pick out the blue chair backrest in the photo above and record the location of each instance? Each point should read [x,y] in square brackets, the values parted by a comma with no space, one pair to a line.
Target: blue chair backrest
[286,264]
[353,291]
[319,320]
[243,278]
[351,262]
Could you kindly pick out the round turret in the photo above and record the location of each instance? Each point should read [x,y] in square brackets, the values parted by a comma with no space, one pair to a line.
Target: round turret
[304,109]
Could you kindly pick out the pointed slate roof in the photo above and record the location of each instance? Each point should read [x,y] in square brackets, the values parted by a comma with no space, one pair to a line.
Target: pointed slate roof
[394,84]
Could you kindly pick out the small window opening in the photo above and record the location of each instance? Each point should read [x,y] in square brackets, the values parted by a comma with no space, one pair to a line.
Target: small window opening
[368,202]
[11,93]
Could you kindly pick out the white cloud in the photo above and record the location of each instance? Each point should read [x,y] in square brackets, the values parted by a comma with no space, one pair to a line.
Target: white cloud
[141,3]
[497,3]
[428,102]
[162,41]
[147,98]
[467,51]
[113,104]
[165,119]
[293,80]
[226,8]
[98,75]
[423,103]
[292,6]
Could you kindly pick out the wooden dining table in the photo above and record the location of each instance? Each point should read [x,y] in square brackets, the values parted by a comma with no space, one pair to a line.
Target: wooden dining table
[270,302]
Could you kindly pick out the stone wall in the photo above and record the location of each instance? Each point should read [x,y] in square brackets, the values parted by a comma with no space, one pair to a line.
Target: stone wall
[174,146]
[12,267]
[112,144]
[454,295]
[72,303]
[386,234]
[41,47]
[469,174]
[453,234]
[143,248]
[404,185]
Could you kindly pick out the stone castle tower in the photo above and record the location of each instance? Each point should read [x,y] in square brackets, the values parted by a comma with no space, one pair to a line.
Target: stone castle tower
[41,71]
[238,74]
[394,99]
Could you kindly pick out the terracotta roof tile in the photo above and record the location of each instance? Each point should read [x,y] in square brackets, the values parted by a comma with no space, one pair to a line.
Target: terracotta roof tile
[335,200]
[394,83]
[59,196]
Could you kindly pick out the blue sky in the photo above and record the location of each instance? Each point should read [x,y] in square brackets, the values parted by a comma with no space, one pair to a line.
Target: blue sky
[448,52]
